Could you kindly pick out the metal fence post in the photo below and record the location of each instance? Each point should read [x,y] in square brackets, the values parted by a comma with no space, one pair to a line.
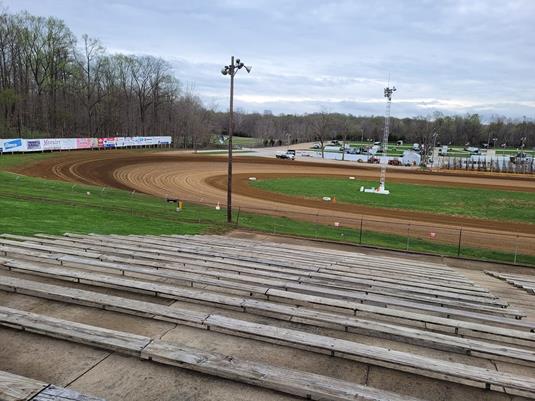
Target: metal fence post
[360,235]
[460,239]
[408,236]
[238,217]
[516,250]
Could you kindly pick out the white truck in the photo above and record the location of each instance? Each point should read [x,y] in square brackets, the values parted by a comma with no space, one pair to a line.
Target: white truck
[289,154]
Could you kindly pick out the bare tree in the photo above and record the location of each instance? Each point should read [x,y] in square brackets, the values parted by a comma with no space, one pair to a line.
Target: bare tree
[321,126]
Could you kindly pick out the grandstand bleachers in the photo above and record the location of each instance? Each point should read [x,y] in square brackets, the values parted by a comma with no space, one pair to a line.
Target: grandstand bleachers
[418,320]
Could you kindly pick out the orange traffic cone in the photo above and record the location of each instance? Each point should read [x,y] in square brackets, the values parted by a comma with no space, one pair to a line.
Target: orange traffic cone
[334,199]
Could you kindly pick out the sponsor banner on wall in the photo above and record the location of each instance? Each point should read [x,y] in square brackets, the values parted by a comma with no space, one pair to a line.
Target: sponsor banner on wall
[13,145]
[106,142]
[164,140]
[68,143]
[110,142]
[84,143]
[34,145]
[119,142]
[52,144]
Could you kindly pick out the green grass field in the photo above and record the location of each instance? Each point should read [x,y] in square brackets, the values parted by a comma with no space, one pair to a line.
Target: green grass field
[7,161]
[477,203]
[238,141]
[31,205]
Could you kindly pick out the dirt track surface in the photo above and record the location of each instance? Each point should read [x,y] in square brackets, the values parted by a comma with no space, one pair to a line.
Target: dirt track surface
[202,178]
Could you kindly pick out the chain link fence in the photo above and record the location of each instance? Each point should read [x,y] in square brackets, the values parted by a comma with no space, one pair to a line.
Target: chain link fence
[387,233]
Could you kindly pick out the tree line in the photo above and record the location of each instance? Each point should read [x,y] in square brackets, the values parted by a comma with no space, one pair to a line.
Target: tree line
[53,84]
[323,126]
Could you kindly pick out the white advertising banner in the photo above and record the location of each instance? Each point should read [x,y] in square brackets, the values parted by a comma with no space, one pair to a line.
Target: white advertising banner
[34,145]
[84,143]
[13,145]
[49,144]
[52,144]
[68,143]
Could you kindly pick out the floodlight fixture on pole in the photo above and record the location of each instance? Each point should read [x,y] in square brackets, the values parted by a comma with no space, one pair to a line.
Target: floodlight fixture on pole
[231,69]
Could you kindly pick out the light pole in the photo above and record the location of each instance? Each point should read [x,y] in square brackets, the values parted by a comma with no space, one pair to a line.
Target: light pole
[232,70]
[388,94]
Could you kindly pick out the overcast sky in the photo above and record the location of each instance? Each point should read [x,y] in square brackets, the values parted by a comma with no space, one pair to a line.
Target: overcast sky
[455,56]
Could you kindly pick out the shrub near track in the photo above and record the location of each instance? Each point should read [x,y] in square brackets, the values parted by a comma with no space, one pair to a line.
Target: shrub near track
[474,203]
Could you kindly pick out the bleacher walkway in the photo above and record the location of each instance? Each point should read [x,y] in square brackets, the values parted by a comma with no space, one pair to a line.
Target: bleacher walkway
[314,299]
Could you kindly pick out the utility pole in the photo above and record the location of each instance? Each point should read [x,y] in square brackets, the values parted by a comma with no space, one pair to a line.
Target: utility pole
[231,70]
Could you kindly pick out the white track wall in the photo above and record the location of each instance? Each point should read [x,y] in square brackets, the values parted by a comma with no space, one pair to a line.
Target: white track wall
[17,145]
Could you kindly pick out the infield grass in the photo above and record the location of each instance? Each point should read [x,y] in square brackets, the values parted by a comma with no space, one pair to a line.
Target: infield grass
[467,202]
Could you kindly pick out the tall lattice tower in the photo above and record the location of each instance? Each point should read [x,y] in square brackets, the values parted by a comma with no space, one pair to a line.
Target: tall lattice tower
[388,95]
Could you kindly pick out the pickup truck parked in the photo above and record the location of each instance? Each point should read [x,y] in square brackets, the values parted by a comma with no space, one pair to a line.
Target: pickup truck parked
[289,154]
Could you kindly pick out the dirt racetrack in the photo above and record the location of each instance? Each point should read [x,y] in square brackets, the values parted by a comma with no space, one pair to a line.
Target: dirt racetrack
[202,179]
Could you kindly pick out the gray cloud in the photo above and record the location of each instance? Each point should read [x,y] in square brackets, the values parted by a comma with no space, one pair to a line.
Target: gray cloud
[456,56]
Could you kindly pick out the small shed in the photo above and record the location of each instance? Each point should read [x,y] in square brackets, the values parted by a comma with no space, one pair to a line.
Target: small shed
[411,157]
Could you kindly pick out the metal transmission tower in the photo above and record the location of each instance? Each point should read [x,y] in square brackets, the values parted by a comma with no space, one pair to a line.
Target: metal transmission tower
[388,95]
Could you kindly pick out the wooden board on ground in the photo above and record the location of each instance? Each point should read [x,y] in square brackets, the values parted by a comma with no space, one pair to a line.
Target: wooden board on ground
[18,388]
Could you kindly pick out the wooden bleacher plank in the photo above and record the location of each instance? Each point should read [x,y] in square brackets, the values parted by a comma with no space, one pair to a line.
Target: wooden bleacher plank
[391,281]
[116,341]
[199,253]
[516,314]
[211,321]
[257,291]
[184,294]
[29,254]
[338,255]
[306,385]
[522,281]
[222,365]
[18,388]
[248,278]
[285,312]
[34,245]
[439,301]
[423,284]
[228,254]
[399,361]
[79,241]
[54,393]
[306,299]
[428,276]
